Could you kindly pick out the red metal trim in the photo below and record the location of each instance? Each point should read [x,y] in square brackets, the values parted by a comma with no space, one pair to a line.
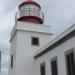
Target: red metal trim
[31,19]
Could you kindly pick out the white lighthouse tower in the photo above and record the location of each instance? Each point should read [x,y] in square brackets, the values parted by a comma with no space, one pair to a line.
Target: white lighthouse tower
[27,37]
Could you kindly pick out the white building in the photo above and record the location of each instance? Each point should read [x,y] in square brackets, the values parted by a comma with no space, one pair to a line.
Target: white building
[58,56]
[32,53]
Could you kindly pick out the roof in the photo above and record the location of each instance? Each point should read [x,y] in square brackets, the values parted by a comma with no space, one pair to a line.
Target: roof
[29,2]
[66,35]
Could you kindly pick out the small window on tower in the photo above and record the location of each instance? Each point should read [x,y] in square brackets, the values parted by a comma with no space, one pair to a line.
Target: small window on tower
[35,41]
[12,61]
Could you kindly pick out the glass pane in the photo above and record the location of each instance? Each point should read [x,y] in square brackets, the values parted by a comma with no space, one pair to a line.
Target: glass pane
[54,67]
[42,69]
[70,64]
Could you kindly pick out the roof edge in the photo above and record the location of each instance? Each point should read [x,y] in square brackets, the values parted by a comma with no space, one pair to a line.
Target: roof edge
[66,35]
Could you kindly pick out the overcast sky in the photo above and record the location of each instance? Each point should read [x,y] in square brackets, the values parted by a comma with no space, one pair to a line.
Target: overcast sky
[60,14]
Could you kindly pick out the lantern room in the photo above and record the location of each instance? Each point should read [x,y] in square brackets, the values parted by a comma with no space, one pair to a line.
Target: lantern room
[30,11]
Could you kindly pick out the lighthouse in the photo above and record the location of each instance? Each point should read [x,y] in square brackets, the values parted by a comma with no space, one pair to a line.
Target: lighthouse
[30,11]
[28,35]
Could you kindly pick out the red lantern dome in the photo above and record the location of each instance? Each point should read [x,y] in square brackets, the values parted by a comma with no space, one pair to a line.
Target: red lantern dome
[30,11]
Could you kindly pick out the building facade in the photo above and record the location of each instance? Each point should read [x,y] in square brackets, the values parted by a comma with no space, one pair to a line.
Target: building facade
[32,53]
[57,57]
[27,37]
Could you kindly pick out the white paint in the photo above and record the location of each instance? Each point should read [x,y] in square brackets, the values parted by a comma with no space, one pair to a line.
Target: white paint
[58,52]
[22,49]
[24,52]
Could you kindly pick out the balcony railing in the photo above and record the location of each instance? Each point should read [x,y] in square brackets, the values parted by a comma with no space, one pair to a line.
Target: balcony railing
[30,12]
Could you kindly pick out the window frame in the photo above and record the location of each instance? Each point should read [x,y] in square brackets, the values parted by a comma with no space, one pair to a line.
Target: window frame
[44,68]
[11,65]
[38,40]
[72,50]
[54,59]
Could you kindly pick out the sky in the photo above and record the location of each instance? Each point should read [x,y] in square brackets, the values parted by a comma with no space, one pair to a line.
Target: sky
[59,14]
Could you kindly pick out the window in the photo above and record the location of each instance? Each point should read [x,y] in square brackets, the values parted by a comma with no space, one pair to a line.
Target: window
[42,69]
[0,61]
[70,64]
[54,67]
[35,41]
[12,61]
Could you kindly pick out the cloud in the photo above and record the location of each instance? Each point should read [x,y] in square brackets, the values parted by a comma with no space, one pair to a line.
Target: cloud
[6,24]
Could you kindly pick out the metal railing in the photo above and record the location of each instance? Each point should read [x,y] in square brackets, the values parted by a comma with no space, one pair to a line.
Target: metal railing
[30,12]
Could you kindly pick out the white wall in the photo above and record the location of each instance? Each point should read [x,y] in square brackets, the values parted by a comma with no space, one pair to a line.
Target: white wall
[13,51]
[23,50]
[60,53]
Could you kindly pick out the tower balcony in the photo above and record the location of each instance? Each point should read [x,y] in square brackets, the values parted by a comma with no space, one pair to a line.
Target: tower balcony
[30,15]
